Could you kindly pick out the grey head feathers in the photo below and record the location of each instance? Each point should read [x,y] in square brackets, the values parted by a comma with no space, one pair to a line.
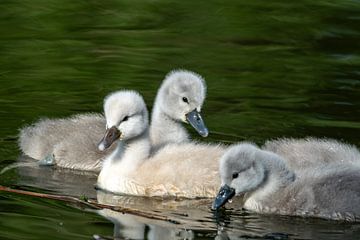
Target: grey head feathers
[126,109]
[183,91]
[179,99]
[126,117]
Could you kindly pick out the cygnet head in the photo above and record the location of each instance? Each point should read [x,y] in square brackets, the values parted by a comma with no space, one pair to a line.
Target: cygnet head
[181,97]
[126,117]
[241,170]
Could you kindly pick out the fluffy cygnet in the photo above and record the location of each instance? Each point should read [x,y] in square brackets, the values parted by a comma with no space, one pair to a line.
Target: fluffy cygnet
[267,185]
[71,142]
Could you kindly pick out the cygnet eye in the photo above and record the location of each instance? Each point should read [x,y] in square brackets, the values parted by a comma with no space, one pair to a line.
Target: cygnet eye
[125,118]
[185,99]
[235,175]
[111,135]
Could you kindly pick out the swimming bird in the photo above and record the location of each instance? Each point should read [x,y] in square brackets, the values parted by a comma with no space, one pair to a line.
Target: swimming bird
[69,142]
[72,142]
[266,185]
[187,170]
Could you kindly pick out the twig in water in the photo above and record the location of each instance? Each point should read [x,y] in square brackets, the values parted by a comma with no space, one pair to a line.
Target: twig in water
[90,203]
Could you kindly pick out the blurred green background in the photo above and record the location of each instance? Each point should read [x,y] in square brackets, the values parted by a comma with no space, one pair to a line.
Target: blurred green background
[273,68]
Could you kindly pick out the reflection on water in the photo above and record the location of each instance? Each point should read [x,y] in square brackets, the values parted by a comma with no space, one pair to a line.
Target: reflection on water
[186,219]
[57,180]
[273,69]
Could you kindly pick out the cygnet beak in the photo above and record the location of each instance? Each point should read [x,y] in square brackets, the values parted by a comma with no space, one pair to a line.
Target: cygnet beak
[196,121]
[111,135]
[225,194]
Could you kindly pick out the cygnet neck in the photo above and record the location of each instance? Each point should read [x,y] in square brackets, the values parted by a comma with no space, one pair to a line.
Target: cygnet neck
[276,175]
[165,129]
[129,155]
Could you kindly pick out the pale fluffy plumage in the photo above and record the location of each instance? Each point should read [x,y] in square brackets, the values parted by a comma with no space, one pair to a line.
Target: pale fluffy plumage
[167,115]
[178,170]
[186,170]
[134,146]
[302,154]
[268,186]
[72,141]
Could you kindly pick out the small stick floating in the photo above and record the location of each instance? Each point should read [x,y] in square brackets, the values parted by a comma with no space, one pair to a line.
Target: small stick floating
[90,203]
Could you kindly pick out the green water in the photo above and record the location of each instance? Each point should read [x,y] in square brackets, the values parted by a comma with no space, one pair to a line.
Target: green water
[273,69]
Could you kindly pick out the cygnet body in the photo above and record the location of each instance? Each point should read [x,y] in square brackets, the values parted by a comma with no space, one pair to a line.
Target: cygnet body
[71,142]
[186,170]
[307,153]
[267,185]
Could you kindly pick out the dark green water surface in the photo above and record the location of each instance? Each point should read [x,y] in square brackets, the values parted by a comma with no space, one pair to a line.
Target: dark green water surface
[273,69]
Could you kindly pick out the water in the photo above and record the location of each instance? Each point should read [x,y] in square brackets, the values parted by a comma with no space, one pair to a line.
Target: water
[273,69]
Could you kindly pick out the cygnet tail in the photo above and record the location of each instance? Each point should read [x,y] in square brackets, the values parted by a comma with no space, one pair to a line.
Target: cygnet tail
[37,140]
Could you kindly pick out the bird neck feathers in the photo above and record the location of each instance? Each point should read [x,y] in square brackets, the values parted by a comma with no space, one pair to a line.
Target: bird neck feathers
[164,129]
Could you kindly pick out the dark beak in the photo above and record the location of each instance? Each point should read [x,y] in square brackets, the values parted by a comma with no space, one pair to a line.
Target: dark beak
[111,135]
[196,121]
[223,196]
